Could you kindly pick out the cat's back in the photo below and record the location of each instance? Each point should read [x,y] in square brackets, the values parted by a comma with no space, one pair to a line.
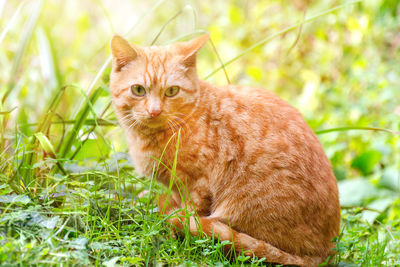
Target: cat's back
[254,112]
[263,102]
[259,131]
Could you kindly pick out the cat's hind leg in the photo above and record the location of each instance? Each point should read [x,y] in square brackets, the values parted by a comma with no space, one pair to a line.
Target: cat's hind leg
[211,226]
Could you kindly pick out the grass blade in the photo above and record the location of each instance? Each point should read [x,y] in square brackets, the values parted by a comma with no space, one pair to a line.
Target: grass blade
[48,149]
[165,25]
[12,20]
[8,111]
[43,126]
[87,122]
[47,59]
[95,123]
[26,37]
[220,61]
[46,144]
[80,118]
[345,129]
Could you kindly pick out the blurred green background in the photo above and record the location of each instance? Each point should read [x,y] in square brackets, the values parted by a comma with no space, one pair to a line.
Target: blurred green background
[340,69]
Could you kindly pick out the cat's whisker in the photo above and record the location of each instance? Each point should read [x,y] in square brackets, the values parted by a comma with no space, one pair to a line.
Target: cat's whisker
[136,122]
[176,127]
[179,125]
[183,121]
[126,113]
[126,116]
[184,124]
[171,127]
[127,119]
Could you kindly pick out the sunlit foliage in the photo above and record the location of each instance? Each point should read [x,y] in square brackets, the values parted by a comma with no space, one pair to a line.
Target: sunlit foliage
[67,189]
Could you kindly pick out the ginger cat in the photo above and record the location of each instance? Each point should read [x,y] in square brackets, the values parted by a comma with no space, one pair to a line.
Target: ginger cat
[255,172]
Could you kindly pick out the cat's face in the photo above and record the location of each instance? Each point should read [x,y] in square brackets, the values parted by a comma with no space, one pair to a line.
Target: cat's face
[154,87]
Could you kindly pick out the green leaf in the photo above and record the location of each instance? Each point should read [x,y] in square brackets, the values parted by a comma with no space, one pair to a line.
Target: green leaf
[391,179]
[112,262]
[80,119]
[14,198]
[366,161]
[50,223]
[347,264]
[45,144]
[378,205]
[201,241]
[93,148]
[79,243]
[243,258]
[132,260]
[354,192]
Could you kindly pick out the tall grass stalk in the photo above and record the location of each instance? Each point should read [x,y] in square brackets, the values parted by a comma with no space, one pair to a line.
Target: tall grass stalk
[23,45]
[80,118]
[12,20]
[48,59]
[352,128]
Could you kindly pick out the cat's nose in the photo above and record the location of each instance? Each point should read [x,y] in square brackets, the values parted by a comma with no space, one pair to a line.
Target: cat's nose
[154,112]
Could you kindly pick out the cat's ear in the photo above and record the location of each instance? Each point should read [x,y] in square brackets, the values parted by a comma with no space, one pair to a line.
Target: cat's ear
[189,49]
[122,52]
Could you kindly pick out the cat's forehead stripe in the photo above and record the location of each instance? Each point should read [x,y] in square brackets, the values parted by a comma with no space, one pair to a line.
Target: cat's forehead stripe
[155,69]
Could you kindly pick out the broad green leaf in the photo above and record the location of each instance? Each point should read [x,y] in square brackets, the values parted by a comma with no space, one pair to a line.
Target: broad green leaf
[93,148]
[366,161]
[243,258]
[394,213]
[379,205]
[391,179]
[79,243]
[50,223]
[14,198]
[354,192]
[111,262]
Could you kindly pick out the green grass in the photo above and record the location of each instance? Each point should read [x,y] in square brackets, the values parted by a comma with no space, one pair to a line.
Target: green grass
[68,193]
[89,221]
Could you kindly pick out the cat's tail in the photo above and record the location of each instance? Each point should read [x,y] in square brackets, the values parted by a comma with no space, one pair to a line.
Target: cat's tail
[211,226]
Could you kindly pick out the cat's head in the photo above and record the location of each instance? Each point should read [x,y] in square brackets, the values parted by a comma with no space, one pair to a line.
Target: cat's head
[152,86]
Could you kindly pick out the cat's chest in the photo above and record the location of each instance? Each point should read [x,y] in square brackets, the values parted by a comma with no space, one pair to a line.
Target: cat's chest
[150,156]
[143,154]
[144,163]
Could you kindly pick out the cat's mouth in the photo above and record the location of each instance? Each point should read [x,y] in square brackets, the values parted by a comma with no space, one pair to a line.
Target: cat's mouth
[157,122]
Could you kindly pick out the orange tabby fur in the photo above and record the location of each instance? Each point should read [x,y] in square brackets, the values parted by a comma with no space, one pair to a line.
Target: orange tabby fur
[256,173]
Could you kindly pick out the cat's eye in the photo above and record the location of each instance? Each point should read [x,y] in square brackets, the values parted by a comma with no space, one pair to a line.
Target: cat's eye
[172,91]
[138,90]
